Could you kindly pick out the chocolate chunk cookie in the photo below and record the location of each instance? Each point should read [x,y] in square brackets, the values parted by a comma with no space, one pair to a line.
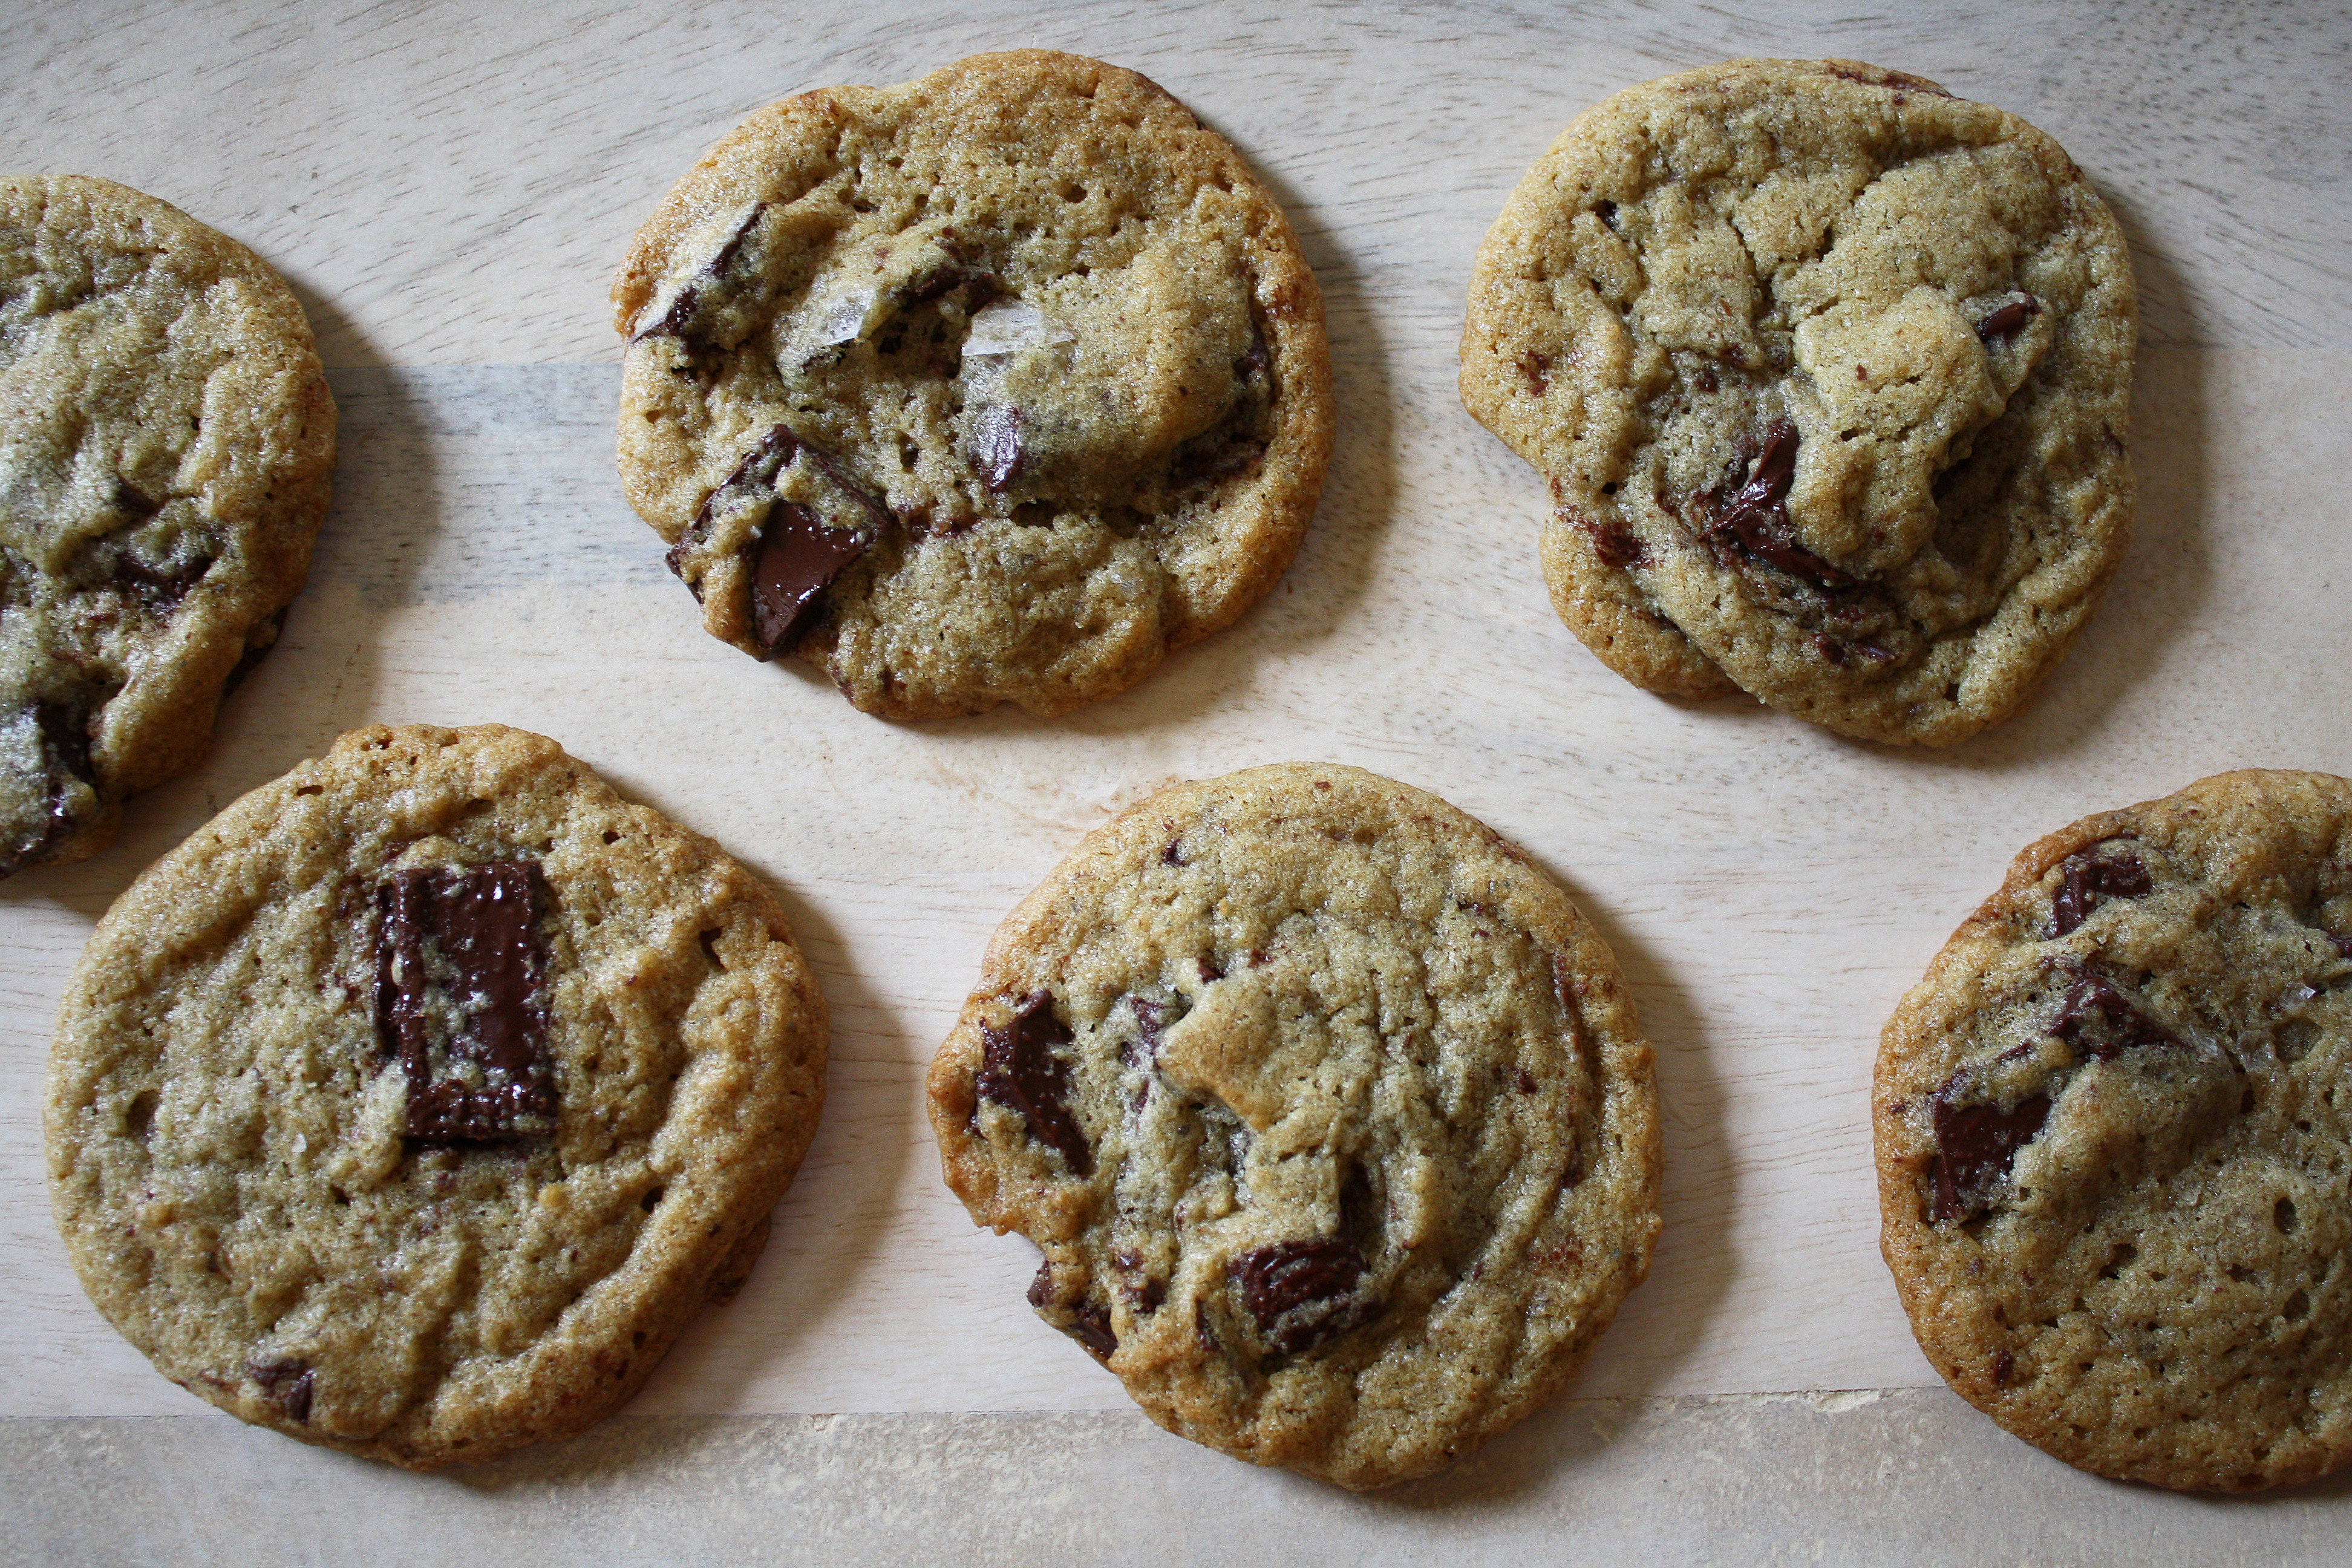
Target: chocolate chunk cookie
[1829,373]
[414,1105]
[2115,1133]
[166,444]
[993,386]
[1332,1118]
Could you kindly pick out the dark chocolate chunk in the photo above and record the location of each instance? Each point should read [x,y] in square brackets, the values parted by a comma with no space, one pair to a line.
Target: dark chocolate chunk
[2098,1020]
[1975,1145]
[678,320]
[1749,507]
[1254,358]
[1301,1293]
[64,733]
[288,1384]
[1041,1286]
[1143,1051]
[996,448]
[1021,1070]
[461,999]
[1174,853]
[2085,880]
[1090,1326]
[2008,319]
[800,551]
[798,559]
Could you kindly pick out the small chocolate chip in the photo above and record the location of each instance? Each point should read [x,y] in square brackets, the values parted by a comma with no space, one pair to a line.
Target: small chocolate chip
[1300,1293]
[2004,1367]
[1607,212]
[1021,1070]
[1174,853]
[461,980]
[1974,1146]
[1041,1286]
[2085,879]
[1524,1082]
[1537,368]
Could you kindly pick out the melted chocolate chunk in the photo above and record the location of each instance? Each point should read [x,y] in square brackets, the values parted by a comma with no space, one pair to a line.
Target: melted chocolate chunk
[996,450]
[288,1384]
[1021,1071]
[678,320]
[134,502]
[2099,1021]
[1617,547]
[461,999]
[1975,1145]
[2008,319]
[161,589]
[1748,510]
[2085,880]
[1215,456]
[1301,1293]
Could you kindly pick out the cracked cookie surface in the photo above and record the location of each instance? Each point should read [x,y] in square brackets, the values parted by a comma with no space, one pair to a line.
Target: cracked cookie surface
[166,444]
[992,387]
[1332,1117]
[2114,1130]
[1828,372]
[415,1103]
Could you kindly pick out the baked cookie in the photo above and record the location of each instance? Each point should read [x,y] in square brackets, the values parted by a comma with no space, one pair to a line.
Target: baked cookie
[1332,1118]
[2115,1129]
[1829,373]
[415,1104]
[166,444]
[993,386]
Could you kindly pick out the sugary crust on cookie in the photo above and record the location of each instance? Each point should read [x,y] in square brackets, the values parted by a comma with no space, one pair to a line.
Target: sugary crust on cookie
[1169,280]
[167,442]
[226,1131]
[1926,292]
[2114,1133]
[1358,1146]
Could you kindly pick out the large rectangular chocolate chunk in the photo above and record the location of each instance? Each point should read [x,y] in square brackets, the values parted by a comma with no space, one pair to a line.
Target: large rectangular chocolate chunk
[461,999]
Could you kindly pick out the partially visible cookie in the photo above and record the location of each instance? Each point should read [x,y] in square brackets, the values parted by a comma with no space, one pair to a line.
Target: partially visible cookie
[990,387]
[2115,1133]
[1829,373]
[1332,1117]
[414,1105]
[166,444]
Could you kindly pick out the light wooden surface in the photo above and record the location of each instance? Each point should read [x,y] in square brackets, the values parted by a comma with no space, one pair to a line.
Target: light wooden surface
[449,192]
